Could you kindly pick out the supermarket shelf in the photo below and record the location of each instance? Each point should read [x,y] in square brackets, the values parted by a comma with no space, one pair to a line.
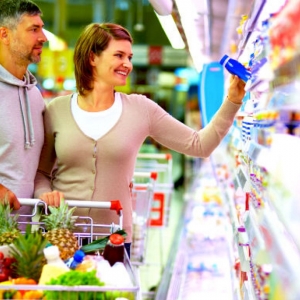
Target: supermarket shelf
[251,24]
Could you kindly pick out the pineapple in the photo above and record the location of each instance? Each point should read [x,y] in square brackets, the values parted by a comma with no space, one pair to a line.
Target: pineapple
[8,224]
[59,225]
[28,253]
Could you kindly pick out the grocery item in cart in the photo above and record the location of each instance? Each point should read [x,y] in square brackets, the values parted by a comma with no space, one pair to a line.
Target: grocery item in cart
[76,284]
[8,224]
[27,250]
[76,260]
[60,224]
[53,258]
[114,249]
[54,267]
[99,244]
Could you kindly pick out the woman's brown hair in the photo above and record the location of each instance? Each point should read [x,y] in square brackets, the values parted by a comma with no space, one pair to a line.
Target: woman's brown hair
[94,38]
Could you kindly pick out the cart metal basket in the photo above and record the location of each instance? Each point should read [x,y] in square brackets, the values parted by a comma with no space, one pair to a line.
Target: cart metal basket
[83,292]
[162,164]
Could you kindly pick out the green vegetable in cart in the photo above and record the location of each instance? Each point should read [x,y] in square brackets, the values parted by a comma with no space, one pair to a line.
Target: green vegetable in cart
[100,244]
[76,279]
[113,295]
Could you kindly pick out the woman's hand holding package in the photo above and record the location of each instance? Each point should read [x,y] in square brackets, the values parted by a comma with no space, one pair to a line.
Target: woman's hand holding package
[236,90]
[52,198]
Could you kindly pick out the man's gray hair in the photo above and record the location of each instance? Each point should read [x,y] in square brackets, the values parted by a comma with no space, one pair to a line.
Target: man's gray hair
[11,11]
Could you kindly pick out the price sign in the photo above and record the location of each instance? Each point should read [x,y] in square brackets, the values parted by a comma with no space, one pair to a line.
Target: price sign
[243,180]
[253,151]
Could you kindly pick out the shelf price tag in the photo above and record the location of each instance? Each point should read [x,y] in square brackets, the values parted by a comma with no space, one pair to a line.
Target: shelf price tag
[256,240]
[254,150]
[244,258]
[243,180]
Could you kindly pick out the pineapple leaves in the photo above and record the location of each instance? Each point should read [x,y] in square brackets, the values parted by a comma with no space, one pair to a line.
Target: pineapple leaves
[28,252]
[8,224]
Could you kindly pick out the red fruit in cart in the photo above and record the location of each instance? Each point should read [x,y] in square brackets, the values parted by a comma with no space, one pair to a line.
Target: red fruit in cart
[3,277]
[8,261]
[1,256]
[7,271]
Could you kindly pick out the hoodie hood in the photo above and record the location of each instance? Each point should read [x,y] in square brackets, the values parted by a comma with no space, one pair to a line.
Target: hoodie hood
[29,80]
[23,86]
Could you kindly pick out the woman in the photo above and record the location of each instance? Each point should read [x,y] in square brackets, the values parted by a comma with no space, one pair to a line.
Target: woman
[93,136]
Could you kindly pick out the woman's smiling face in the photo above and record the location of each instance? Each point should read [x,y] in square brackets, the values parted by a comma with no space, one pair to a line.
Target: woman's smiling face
[114,64]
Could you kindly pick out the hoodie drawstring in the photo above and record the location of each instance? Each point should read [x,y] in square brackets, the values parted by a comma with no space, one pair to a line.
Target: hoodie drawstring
[27,122]
[29,118]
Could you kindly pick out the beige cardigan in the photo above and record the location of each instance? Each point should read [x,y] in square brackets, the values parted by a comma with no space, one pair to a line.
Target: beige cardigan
[103,169]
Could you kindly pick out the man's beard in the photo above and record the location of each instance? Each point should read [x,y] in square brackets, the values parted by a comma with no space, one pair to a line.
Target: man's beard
[24,57]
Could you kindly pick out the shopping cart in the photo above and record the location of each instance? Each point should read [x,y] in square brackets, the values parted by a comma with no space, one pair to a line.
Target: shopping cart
[83,292]
[143,185]
[162,163]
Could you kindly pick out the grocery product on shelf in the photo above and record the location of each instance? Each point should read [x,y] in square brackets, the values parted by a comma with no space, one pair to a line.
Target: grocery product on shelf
[263,154]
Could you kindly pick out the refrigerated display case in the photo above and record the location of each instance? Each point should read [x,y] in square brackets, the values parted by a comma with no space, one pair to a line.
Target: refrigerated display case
[261,193]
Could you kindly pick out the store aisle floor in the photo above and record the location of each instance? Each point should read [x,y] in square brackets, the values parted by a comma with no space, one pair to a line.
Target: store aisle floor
[159,245]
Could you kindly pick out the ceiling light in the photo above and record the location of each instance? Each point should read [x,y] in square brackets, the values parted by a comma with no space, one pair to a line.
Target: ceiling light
[171,30]
[188,14]
[162,7]
[55,43]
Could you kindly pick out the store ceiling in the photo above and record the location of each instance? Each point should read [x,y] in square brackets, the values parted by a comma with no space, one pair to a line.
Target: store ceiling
[215,22]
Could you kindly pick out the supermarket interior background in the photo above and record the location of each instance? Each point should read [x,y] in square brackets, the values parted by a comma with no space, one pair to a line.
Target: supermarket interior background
[225,227]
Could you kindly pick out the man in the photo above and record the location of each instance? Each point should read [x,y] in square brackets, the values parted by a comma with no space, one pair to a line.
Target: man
[21,103]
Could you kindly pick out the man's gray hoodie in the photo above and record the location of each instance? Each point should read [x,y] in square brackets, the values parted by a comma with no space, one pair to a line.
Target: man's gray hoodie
[21,132]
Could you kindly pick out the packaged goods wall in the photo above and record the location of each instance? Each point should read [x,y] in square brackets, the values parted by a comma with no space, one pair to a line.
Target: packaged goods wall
[255,173]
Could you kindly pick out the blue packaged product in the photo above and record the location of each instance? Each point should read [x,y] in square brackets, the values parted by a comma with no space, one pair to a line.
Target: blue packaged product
[234,67]
[76,260]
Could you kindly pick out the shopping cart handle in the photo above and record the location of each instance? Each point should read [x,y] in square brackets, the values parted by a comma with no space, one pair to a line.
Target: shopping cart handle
[31,202]
[113,205]
[167,156]
[153,175]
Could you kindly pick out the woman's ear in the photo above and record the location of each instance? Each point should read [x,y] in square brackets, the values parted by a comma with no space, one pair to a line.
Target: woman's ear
[92,58]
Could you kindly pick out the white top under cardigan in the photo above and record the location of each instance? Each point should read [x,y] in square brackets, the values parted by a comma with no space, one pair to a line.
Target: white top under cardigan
[96,124]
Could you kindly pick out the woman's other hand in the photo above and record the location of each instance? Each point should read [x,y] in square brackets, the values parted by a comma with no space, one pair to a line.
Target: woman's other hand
[236,90]
[52,198]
